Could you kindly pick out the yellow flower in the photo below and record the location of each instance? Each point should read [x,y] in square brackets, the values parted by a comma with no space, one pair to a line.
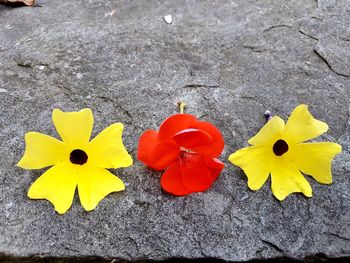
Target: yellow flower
[278,149]
[75,161]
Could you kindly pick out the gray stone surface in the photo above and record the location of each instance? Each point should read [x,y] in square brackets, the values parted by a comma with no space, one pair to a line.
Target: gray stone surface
[230,61]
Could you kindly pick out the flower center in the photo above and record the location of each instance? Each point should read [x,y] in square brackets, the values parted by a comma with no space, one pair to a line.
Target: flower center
[78,157]
[183,149]
[280,147]
[184,153]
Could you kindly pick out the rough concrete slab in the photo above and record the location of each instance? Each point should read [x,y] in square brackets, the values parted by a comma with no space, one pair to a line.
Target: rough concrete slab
[230,61]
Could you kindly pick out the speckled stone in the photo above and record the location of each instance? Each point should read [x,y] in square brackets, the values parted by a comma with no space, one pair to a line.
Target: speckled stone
[230,61]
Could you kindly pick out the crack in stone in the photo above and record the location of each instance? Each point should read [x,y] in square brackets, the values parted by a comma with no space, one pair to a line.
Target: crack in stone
[270,244]
[256,49]
[305,34]
[25,64]
[276,26]
[29,64]
[66,90]
[201,86]
[328,64]
[338,236]
[125,111]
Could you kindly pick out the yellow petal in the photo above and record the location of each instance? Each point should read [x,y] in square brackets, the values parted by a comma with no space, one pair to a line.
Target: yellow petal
[268,134]
[287,179]
[315,159]
[42,151]
[256,162]
[107,149]
[302,126]
[94,184]
[56,185]
[74,127]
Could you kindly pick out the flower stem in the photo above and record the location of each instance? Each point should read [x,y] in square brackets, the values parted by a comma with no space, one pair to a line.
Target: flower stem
[182,106]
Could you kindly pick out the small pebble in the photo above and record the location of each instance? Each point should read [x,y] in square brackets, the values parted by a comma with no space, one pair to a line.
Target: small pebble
[110,13]
[79,76]
[168,19]
[3,90]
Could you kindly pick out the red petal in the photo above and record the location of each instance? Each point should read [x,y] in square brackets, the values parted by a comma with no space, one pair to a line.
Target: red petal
[164,153]
[214,165]
[146,144]
[190,138]
[174,124]
[195,175]
[155,153]
[215,148]
[171,181]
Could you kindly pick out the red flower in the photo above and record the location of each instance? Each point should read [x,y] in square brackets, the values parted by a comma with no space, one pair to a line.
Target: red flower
[187,149]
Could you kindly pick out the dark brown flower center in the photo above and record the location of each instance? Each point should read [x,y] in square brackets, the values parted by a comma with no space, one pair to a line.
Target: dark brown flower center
[78,157]
[280,147]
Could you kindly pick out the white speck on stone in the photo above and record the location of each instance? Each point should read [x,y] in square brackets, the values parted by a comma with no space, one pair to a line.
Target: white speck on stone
[3,90]
[79,76]
[168,19]
[110,13]
[7,212]
[88,97]
[9,205]
[41,67]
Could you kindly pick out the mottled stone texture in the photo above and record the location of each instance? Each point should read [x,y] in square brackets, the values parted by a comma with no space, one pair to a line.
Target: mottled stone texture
[230,61]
